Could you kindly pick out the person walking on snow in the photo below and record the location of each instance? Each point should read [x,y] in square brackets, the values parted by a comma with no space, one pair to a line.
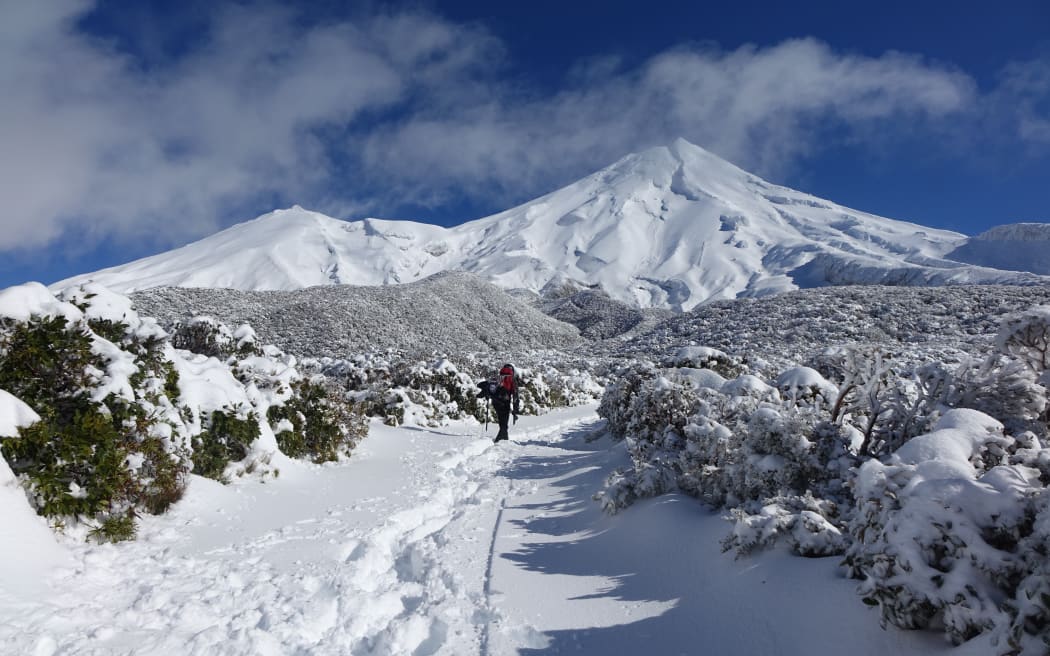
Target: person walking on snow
[505,399]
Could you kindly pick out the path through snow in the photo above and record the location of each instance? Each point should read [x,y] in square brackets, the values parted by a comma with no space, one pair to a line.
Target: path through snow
[439,542]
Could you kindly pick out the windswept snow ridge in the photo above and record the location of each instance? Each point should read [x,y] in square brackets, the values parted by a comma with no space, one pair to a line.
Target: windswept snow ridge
[670,227]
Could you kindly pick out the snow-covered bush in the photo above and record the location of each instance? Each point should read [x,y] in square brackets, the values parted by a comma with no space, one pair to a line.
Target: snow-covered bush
[206,336]
[107,445]
[734,444]
[402,390]
[938,527]
[124,416]
[806,387]
[616,402]
[227,437]
[440,390]
[315,423]
[802,518]
[705,357]
[924,464]
[1002,387]
[1026,337]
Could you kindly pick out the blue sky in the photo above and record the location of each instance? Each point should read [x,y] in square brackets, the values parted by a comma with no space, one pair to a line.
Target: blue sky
[133,127]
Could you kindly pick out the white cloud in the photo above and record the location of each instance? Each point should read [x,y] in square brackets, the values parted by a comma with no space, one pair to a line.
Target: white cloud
[412,105]
[1024,100]
[96,144]
[759,107]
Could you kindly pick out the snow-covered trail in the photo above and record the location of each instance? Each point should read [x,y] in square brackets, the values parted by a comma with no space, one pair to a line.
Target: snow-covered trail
[439,542]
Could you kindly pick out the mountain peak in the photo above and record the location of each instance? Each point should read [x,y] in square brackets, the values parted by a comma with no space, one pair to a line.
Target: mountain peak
[671,227]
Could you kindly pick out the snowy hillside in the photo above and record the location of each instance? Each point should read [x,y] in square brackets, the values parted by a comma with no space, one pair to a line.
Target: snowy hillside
[430,539]
[446,313]
[670,227]
[919,324]
[1014,247]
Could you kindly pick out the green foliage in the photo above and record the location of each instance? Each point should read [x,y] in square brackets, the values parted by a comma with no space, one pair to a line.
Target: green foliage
[44,363]
[322,426]
[225,440]
[114,331]
[77,461]
[74,467]
[115,528]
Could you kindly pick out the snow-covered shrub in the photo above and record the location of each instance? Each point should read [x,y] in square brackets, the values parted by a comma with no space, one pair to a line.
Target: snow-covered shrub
[936,532]
[1002,387]
[406,390]
[616,402]
[124,416]
[705,357]
[803,518]
[315,423]
[548,386]
[1029,608]
[803,386]
[206,336]
[625,486]
[227,437]
[440,389]
[926,464]
[885,402]
[660,411]
[107,444]
[1010,383]
[1025,336]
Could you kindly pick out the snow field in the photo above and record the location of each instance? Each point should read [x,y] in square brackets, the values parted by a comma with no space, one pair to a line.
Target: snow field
[436,541]
[386,553]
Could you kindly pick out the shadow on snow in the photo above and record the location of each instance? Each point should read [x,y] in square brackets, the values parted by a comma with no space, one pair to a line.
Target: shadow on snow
[619,551]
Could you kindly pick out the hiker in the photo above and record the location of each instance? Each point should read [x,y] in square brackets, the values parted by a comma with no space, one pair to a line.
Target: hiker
[504,396]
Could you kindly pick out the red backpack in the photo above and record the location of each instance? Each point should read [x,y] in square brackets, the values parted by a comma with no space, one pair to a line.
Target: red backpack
[506,381]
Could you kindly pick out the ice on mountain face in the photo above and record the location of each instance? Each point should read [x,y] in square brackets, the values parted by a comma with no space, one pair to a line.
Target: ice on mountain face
[669,227]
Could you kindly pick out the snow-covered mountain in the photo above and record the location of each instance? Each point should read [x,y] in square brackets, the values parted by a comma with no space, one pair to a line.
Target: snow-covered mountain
[1014,247]
[668,227]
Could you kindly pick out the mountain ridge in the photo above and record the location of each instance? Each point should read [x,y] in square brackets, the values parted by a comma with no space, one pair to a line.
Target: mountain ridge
[670,227]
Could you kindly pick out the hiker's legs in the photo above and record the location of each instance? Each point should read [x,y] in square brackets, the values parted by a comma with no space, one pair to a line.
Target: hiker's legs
[503,415]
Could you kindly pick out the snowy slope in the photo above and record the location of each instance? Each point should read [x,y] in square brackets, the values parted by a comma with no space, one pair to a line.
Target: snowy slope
[439,542]
[668,227]
[1014,247]
[28,549]
[445,313]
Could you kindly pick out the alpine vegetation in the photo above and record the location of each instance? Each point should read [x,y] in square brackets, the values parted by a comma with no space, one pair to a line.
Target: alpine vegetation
[928,475]
[122,411]
[449,312]
[442,388]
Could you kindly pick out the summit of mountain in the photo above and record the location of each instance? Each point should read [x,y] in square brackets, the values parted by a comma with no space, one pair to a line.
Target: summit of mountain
[669,227]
